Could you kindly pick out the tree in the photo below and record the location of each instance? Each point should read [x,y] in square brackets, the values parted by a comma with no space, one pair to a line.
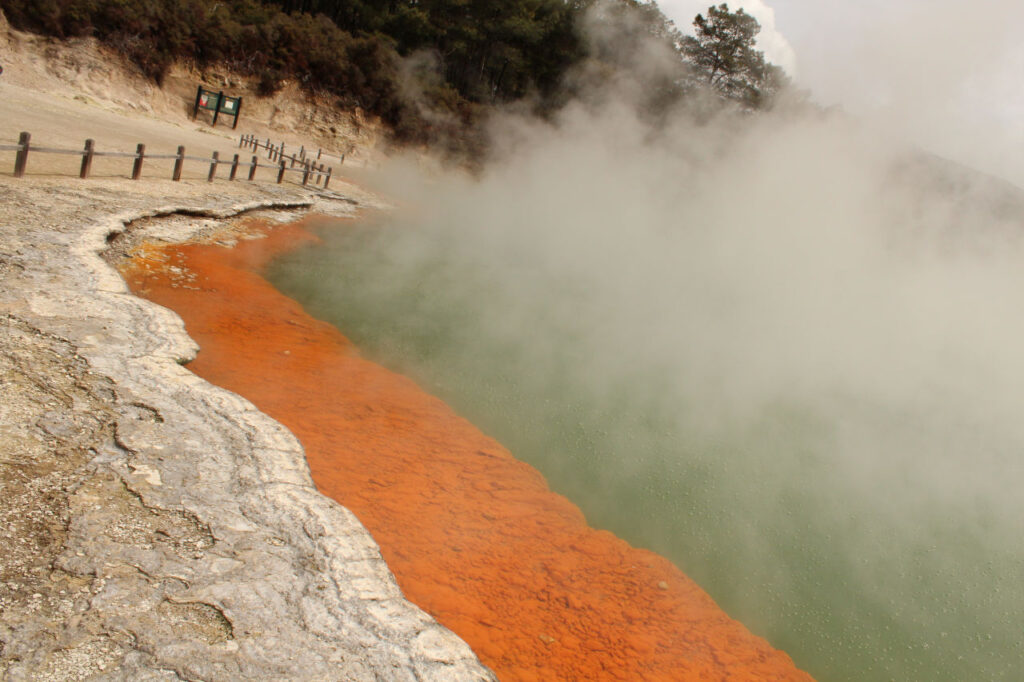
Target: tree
[723,54]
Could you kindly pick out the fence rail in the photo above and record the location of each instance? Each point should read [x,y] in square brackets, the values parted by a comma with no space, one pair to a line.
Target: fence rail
[307,165]
[277,151]
[310,170]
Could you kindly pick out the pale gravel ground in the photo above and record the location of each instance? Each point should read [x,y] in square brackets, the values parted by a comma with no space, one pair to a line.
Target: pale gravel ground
[153,526]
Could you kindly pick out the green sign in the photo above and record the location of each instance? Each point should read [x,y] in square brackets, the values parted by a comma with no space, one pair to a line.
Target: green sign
[218,103]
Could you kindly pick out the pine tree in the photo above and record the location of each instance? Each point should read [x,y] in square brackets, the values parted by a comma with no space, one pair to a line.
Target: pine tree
[724,57]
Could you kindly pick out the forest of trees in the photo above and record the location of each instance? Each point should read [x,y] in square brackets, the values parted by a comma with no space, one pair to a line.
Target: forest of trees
[430,69]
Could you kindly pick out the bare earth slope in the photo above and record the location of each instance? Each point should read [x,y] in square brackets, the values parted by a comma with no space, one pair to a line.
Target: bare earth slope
[153,526]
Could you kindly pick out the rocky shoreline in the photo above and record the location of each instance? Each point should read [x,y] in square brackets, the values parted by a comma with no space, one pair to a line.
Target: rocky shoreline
[156,526]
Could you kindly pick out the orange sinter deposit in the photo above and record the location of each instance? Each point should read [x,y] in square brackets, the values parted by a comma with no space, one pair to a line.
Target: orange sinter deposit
[473,536]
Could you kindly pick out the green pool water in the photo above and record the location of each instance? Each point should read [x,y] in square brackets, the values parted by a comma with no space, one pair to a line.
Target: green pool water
[859,531]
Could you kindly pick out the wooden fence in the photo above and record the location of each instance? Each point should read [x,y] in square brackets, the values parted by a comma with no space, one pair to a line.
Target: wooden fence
[277,152]
[309,169]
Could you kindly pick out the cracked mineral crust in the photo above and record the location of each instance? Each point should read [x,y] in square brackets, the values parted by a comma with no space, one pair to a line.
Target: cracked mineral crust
[155,527]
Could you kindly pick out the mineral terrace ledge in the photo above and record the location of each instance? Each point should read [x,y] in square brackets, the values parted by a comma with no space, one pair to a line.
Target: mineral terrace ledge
[158,527]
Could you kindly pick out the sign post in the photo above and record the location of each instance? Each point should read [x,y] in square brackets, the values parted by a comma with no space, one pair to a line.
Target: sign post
[218,103]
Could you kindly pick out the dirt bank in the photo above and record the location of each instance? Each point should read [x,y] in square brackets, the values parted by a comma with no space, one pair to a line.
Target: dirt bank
[65,92]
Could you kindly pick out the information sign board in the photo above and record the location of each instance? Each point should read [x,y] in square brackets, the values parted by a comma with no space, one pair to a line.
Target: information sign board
[218,103]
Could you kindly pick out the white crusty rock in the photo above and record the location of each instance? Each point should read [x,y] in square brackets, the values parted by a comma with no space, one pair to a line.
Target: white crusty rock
[156,527]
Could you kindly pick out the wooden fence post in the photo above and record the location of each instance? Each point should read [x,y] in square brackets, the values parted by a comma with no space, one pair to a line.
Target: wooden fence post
[21,160]
[253,166]
[318,153]
[319,173]
[270,153]
[280,172]
[213,166]
[90,146]
[327,180]
[305,174]
[140,154]
[238,112]
[234,167]
[241,141]
[178,163]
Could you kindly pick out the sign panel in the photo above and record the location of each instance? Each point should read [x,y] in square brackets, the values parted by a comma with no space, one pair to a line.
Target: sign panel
[208,100]
[218,103]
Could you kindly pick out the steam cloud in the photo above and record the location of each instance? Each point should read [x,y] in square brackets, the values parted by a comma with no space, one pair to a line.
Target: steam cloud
[943,73]
[782,350]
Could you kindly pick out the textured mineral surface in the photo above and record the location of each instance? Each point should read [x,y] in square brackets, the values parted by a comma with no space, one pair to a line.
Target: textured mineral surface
[153,526]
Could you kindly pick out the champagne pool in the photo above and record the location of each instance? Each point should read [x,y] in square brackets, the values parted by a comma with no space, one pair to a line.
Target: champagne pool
[868,535]
[472,535]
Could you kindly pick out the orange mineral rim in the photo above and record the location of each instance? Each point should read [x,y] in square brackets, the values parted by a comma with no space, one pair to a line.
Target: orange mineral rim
[473,536]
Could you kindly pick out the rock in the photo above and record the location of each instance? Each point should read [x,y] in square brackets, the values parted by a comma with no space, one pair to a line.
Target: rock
[157,527]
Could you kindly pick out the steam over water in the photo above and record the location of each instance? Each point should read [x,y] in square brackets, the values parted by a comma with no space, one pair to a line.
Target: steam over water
[783,354]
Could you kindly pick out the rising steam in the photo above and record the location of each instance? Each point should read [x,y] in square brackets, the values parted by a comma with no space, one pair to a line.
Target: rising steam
[782,350]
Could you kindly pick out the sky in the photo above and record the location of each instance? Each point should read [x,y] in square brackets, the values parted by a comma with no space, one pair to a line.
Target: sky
[944,74]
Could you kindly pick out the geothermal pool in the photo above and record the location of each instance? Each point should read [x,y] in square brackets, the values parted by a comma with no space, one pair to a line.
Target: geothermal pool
[869,525]
[473,536]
